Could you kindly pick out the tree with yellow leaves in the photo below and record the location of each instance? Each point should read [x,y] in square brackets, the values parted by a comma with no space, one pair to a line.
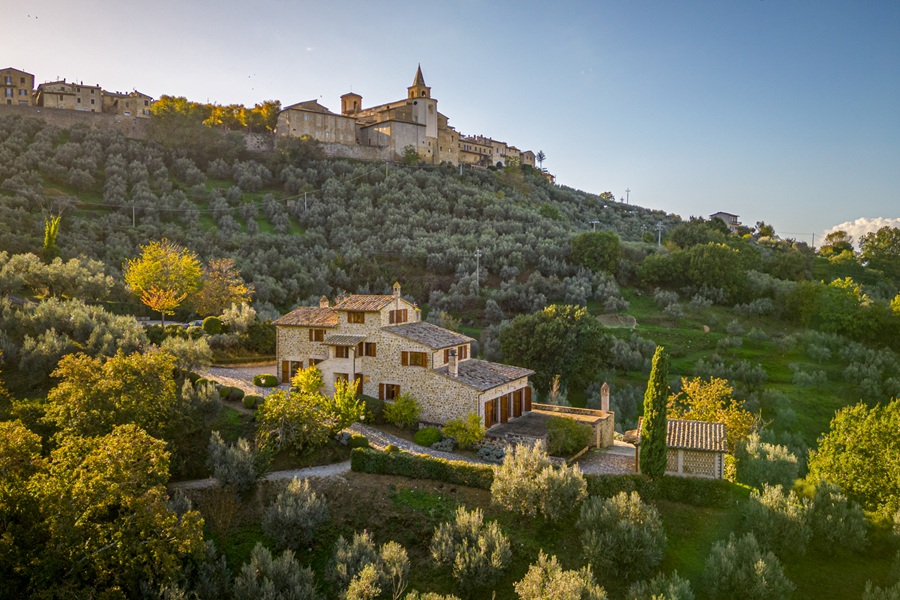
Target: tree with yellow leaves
[163,276]
[713,401]
[222,287]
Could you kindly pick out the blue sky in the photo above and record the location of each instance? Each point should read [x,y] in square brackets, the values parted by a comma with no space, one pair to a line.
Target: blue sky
[777,110]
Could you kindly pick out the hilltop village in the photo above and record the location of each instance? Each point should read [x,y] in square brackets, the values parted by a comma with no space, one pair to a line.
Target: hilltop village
[384,132]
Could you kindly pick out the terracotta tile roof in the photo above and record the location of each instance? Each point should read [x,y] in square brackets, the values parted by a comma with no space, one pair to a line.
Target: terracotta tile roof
[339,339]
[430,335]
[694,435]
[309,316]
[364,302]
[483,375]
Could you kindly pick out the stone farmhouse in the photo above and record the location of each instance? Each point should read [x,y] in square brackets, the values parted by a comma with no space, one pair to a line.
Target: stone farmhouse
[388,129]
[380,342]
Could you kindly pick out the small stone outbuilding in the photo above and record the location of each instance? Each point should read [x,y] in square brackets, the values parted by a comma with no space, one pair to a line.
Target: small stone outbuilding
[694,448]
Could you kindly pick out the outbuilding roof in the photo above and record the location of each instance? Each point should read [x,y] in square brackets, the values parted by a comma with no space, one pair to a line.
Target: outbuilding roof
[309,316]
[694,435]
[483,375]
[429,335]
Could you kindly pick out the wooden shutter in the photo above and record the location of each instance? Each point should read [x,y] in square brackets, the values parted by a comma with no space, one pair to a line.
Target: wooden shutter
[447,355]
[381,391]
[527,398]
[310,335]
[504,408]
[403,315]
[359,349]
[404,359]
[488,414]
[392,317]
[285,372]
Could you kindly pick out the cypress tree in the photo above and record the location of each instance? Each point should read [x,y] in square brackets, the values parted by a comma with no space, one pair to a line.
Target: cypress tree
[653,427]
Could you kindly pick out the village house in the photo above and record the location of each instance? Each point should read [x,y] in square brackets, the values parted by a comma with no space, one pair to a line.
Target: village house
[132,104]
[380,342]
[16,87]
[70,96]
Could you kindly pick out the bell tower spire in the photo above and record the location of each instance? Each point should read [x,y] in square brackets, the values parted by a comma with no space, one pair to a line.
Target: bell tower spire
[418,89]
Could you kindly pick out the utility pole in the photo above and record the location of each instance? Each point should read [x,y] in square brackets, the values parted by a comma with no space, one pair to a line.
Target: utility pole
[304,202]
[478,271]
[659,228]
[627,195]
[594,225]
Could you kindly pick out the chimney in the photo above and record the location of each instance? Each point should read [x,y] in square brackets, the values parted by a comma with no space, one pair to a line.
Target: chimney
[323,302]
[396,289]
[452,366]
[604,397]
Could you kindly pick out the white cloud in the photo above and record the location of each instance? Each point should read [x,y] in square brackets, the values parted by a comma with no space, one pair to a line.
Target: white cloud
[864,225]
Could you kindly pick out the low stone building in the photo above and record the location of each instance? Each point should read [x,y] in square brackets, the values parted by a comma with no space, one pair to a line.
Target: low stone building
[693,448]
[380,342]
[131,104]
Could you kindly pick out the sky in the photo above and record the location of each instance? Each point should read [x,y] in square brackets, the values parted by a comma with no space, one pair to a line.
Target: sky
[783,111]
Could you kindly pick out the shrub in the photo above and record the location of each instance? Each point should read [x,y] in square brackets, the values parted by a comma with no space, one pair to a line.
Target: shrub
[414,595]
[876,593]
[529,484]
[358,441]
[466,432]
[308,380]
[298,421]
[421,466]
[234,465]
[777,520]
[661,587]
[365,585]
[491,454]
[394,563]
[897,522]
[391,449]
[760,463]
[212,325]
[265,380]
[547,579]
[567,436]
[252,400]
[156,334]
[292,520]
[626,523]
[282,577]
[447,444]
[739,570]
[374,409]
[403,411]
[428,436]
[476,552]
[352,557]
[836,522]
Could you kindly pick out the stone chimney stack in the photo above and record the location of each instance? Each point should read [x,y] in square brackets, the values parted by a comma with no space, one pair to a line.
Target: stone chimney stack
[452,365]
[323,302]
[396,289]
[604,397]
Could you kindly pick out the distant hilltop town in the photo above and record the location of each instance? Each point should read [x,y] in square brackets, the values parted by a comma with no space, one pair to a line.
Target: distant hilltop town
[384,132]
[388,130]
[17,87]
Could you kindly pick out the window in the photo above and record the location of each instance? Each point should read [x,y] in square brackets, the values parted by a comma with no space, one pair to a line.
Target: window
[92,91]
[356,317]
[78,100]
[366,349]
[92,100]
[414,359]
[388,391]
[399,316]
[316,335]
[462,352]
[341,376]
[23,92]
[8,92]
[146,103]
[21,80]
[7,80]
[341,352]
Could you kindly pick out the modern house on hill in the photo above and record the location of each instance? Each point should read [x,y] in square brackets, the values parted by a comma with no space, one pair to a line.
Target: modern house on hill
[380,342]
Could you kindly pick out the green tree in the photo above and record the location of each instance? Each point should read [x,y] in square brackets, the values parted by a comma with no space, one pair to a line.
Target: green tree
[477,552]
[740,570]
[104,502]
[717,266]
[222,286]
[836,243]
[467,432]
[654,425]
[266,577]
[860,453]
[597,250]
[51,230]
[346,405]
[308,380]
[94,395]
[881,250]
[547,579]
[20,451]
[540,157]
[559,340]
[295,420]
[403,411]
[163,276]
[662,587]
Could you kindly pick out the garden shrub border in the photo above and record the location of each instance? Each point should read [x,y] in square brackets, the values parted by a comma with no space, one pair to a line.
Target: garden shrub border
[706,493]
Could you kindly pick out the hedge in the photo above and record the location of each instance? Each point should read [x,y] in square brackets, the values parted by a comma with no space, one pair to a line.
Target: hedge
[695,491]
[252,400]
[715,493]
[421,466]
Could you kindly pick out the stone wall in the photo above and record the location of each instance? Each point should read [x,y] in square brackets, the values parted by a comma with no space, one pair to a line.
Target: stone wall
[695,463]
[602,422]
[358,152]
[132,127]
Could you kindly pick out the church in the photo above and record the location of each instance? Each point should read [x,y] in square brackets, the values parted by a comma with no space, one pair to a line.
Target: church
[387,130]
